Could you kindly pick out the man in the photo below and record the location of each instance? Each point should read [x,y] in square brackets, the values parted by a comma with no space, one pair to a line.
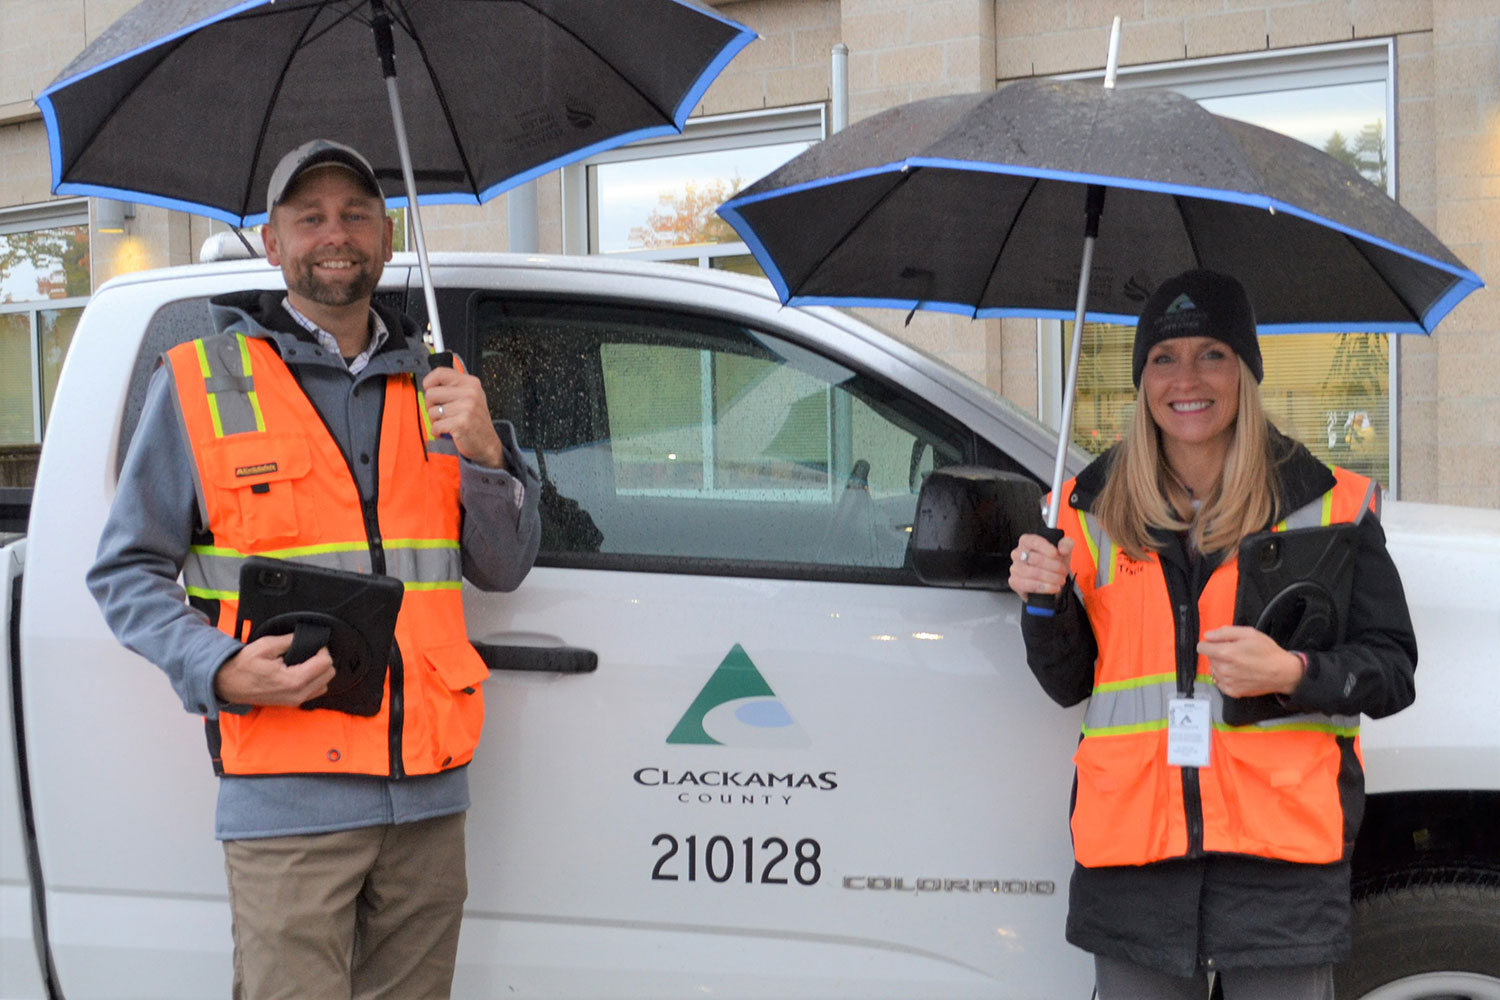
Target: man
[309,427]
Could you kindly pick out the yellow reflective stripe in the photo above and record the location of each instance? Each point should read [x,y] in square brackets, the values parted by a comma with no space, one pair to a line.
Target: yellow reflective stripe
[440,585]
[251,397]
[1088,538]
[421,543]
[1300,726]
[291,553]
[213,595]
[1326,517]
[1135,682]
[422,409]
[201,350]
[213,412]
[1155,725]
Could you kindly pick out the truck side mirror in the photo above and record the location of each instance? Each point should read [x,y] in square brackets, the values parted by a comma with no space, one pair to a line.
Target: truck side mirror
[969,519]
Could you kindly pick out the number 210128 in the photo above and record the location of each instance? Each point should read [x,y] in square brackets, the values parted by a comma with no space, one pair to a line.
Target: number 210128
[771,861]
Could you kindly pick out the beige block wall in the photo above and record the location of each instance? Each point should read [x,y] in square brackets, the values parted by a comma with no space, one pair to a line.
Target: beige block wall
[1448,132]
[1466,154]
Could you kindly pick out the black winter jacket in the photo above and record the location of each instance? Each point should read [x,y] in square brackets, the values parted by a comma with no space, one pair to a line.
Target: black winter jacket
[1222,910]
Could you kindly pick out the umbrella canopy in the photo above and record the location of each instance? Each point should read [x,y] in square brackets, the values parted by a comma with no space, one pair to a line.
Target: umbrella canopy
[189,103]
[974,204]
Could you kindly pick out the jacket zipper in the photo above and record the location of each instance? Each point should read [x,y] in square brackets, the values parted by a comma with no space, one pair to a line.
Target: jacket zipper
[1187,668]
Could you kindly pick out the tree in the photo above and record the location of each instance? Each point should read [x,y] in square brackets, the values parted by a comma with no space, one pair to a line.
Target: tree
[686,217]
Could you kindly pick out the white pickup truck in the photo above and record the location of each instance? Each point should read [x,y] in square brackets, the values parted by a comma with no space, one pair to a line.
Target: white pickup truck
[735,747]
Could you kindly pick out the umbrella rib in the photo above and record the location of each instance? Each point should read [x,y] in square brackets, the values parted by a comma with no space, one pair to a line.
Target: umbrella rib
[906,175]
[666,115]
[350,11]
[442,97]
[1187,232]
[265,120]
[994,271]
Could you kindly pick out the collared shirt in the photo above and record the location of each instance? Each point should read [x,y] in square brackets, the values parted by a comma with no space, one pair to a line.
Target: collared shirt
[378,336]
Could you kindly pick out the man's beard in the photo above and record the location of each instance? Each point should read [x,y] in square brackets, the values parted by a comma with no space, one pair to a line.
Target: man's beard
[360,285]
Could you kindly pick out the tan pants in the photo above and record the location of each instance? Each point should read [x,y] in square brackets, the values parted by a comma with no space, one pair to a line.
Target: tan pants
[368,914]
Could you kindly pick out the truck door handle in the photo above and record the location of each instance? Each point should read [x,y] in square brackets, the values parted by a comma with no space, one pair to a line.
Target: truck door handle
[545,659]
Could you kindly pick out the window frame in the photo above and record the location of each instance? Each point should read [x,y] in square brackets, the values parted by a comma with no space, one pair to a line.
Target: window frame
[1240,74]
[28,218]
[705,134]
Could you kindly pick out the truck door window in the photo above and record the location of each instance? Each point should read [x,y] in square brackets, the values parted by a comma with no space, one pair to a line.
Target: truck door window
[686,444]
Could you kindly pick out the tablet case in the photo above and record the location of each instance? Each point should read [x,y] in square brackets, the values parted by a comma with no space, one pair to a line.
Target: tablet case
[353,614]
[1295,587]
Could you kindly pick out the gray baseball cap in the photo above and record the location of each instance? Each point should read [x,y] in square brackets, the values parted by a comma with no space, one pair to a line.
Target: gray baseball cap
[319,153]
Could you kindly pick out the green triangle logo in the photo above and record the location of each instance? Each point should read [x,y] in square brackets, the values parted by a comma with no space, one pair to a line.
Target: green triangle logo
[737,708]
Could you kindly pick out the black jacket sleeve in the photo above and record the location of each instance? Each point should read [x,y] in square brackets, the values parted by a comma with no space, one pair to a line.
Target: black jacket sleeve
[1371,672]
[1061,650]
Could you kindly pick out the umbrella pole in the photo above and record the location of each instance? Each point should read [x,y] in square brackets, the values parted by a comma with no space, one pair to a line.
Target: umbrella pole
[1046,604]
[386,48]
[1070,391]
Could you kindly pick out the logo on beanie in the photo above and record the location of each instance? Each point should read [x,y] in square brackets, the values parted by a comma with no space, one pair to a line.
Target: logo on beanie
[1179,304]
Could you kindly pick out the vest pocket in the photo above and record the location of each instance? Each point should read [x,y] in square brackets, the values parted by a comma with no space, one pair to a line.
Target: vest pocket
[252,485]
[1281,796]
[445,733]
[1123,799]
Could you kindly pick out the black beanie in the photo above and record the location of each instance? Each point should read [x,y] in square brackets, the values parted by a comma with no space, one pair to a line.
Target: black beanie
[1198,304]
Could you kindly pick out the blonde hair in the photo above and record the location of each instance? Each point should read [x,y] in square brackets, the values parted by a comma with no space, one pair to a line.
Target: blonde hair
[1141,493]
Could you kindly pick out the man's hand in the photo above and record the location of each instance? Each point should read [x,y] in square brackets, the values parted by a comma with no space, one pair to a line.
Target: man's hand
[257,674]
[1245,662]
[457,407]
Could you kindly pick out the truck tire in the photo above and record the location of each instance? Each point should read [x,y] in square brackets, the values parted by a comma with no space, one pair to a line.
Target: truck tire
[1426,935]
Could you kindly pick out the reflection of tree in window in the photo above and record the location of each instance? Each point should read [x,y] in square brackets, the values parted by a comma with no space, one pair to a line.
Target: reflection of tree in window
[1365,154]
[687,217]
[44,264]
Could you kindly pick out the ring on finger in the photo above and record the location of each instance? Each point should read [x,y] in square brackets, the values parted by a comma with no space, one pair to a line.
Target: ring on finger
[1025,555]
[440,409]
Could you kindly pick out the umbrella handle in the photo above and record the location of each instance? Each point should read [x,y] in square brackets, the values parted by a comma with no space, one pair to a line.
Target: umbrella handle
[1045,605]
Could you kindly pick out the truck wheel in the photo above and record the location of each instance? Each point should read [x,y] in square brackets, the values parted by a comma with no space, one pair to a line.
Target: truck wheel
[1426,935]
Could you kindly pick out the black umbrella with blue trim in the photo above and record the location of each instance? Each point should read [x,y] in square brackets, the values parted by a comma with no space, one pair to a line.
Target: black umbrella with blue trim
[189,104]
[973,204]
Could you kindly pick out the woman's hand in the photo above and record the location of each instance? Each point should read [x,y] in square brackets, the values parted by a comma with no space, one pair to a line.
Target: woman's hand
[1244,662]
[1039,567]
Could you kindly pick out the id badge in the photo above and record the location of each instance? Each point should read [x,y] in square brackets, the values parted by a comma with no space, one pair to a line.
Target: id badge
[1189,728]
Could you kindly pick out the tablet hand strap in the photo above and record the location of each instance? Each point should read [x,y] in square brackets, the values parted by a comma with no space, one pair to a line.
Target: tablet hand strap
[307,639]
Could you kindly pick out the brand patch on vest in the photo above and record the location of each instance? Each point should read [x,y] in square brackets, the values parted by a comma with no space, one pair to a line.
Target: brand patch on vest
[255,470]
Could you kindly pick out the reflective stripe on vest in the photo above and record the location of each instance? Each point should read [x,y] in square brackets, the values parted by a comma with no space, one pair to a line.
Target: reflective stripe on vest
[213,572]
[272,481]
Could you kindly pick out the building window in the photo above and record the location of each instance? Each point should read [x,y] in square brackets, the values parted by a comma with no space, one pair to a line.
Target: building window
[657,199]
[44,284]
[1330,391]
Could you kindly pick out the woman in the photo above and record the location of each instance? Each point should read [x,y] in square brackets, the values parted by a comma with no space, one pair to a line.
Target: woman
[1204,848]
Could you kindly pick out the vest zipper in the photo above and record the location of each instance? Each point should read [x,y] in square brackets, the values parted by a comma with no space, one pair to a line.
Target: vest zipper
[1187,668]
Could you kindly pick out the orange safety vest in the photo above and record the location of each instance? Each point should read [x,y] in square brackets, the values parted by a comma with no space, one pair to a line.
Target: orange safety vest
[1275,789]
[273,482]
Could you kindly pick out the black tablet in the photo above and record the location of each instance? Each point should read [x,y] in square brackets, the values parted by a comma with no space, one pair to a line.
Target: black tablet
[1295,587]
[353,614]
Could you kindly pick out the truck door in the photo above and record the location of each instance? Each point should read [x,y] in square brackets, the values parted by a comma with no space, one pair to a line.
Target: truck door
[733,745]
